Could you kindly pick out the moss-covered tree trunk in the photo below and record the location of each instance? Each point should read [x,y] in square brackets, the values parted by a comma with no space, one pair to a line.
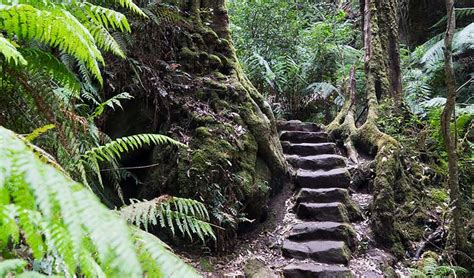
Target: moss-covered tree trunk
[187,83]
[382,69]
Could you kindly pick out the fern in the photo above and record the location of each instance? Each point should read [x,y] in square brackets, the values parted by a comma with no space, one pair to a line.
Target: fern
[12,265]
[460,13]
[112,103]
[188,216]
[9,51]
[157,258]
[38,131]
[40,61]
[114,149]
[58,216]
[463,41]
[55,27]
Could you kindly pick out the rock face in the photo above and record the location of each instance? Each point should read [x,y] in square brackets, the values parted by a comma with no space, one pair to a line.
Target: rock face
[187,83]
[326,236]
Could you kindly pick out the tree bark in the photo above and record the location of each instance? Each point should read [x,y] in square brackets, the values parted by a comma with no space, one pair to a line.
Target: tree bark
[380,83]
[187,82]
[449,138]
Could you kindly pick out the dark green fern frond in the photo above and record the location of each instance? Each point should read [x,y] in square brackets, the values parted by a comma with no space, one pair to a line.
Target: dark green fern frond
[190,217]
[40,61]
[460,14]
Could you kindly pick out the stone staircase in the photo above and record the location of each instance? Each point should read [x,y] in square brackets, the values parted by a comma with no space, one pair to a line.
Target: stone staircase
[321,244]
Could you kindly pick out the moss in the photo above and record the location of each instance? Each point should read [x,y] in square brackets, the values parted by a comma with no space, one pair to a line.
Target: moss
[197,39]
[439,195]
[215,62]
[210,37]
[219,76]
[187,54]
[220,105]
[203,56]
[202,132]
[256,188]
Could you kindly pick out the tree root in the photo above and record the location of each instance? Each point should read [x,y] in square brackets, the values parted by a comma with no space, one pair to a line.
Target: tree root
[388,168]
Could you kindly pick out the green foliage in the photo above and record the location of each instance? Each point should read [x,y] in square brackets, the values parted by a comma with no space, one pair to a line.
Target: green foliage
[9,51]
[189,216]
[289,55]
[431,268]
[423,76]
[112,103]
[112,151]
[59,217]
[38,131]
[463,41]
[45,63]
[461,13]
[11,266]
[77,28]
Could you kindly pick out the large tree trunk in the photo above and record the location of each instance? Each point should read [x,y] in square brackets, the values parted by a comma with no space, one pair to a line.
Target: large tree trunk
[188,83]
[449,138]
[382,81]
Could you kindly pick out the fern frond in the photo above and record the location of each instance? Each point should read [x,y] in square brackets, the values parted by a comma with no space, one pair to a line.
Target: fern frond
[55,27]
[50,199]
[161,262]
[12,265]
[131,6]
[106,17]
[190,217]
[463,41]
[321,89]
[47,64]
[111,102]
[9,51]
[114,149]
[105,40]
[460,13]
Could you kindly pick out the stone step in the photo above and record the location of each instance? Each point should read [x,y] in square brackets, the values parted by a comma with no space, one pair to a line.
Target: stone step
[308,148]
[318,250]
[335,212]
[338,177]
[304,137]
[324,231]
[322,195]
[310,270]
[317,162]
[297,126]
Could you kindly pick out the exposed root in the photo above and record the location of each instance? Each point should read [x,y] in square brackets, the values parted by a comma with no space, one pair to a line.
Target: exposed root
[388,169]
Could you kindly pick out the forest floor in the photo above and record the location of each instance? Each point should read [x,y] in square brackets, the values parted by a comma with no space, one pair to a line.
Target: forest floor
[264,242]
